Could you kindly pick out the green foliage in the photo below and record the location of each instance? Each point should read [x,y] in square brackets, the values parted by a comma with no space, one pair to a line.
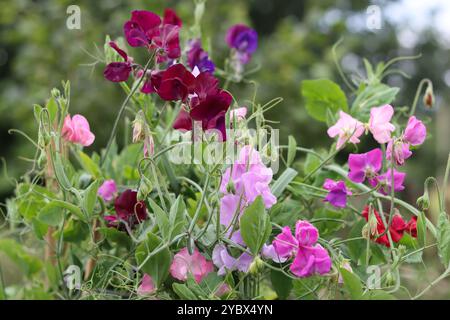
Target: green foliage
[323,95]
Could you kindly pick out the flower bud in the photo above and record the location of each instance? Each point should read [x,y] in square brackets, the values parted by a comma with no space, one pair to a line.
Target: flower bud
[256,266]
[390,279]
[139,127]
[424,201]
[428,98]
[145,187]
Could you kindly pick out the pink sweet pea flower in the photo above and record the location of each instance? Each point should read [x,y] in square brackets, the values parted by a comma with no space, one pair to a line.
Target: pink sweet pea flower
[147,286]
[385,181]
[107,190]
[415,132]
[238,113]
[401,151]
[183,264]
[347,128]
[379,124]
[337,195]
[76,130]
[364,165]
[310,257]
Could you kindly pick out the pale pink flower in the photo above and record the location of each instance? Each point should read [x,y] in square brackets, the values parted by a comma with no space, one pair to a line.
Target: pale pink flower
[347,128]
[147,286]
[238,113]
[76,130]
[107,190]
[401,151]
[379,123]
[184,264]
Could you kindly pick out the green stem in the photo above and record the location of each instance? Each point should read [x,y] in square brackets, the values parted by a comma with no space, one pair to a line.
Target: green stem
[445,274]
[416,97]
[445,183]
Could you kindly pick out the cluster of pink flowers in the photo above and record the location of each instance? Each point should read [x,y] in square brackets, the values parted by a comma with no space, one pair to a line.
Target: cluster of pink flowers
[309,257]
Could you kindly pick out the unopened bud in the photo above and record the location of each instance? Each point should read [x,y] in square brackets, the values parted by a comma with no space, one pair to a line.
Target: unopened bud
[145,187]
[55,93]
[390,279]
[428,98]
[139,127]
[256,266]
[424,201]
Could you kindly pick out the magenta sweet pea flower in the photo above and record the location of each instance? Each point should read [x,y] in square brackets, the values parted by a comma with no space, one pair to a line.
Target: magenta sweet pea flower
[141,28]
[108,190]
[170,17]
[347,128]
[167,43]
[401,151]
[415,132]
[337,195]
[77,130]
[184,264]
[244,39]
[379,123]
[128,210]
[147,286]
[225,262]
[310,257]
[197,57]
[385,181]
[364,165]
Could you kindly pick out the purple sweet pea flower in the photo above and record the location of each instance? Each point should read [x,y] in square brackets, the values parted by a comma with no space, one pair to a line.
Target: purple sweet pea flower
[364,165]
[197,57]
[107,190]
[225,262]
[310,257]
[118,71]
[244,39]
[337,195]
[385,181]
[415,132]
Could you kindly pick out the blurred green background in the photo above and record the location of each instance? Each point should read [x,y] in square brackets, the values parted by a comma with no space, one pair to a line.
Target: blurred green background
[37,51]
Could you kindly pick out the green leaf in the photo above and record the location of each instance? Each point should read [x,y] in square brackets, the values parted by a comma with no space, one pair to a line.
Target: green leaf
[352,283]
[51,214]
[323,94]
[89,165]
[283,181]
[177,217]
[292,150]
[27,263]
[183,292]
[90,197]
[378,295]
[443,238]
[255,225]
[162,219]
[75,231]
[157,265]
[281,284]
[115,236]
[311,163]
[52,108]
[373,96]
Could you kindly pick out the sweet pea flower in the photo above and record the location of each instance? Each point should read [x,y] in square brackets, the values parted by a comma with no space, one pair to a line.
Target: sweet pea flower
[197,57]
[238,114]
[107,190]
[415,132]
[147,286]
[401,151]
[173,84]
[244,39]
[379,124]
[364,165]
[77,130]
[385,181]
[309,257]
[118,71]
[141,28]
[184,264]
[225,262]
[128,210]
[347,128]
[269,252]
[337,195]
[396,229]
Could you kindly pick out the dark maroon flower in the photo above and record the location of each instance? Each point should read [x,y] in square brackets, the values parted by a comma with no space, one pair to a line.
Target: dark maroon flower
[183,121]
[167,43]
[244,39]
[197,57]
[141,28]
[175,84]
[118,71]
[128,210]
[153,81]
